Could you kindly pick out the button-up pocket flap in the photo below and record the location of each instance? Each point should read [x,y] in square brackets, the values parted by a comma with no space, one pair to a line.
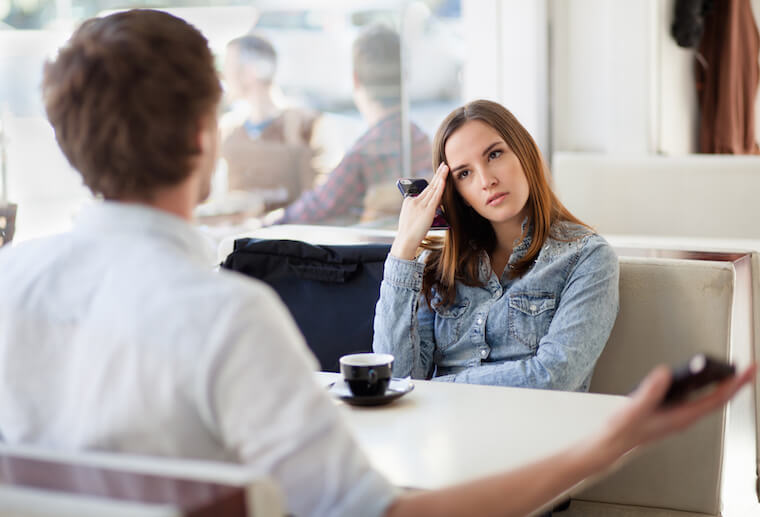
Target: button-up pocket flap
[454,310]
[532,304]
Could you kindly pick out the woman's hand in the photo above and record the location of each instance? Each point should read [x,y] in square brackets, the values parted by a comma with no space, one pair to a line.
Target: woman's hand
[643,420]
[417,213]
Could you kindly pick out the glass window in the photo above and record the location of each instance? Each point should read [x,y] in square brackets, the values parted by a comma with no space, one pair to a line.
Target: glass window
[313,130]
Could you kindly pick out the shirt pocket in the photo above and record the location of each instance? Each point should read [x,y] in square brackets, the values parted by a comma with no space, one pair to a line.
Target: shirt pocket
[530,314]
[449,322]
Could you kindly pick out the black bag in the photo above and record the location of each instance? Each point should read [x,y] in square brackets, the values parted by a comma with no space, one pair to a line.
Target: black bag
[331,291]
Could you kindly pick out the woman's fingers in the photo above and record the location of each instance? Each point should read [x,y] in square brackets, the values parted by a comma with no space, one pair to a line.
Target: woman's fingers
[434,190]
[437,185]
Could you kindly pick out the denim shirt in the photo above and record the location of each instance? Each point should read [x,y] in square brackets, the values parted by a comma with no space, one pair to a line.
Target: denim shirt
[543,330]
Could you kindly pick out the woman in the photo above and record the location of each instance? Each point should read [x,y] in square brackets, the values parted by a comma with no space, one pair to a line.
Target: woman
[519,292]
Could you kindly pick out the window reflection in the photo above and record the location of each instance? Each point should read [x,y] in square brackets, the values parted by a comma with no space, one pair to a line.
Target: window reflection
[307,129]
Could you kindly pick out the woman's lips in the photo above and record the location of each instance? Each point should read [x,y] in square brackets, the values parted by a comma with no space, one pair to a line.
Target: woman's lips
[497,198]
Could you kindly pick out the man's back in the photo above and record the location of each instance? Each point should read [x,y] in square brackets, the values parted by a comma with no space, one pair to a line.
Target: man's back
[119,336]
[102,318]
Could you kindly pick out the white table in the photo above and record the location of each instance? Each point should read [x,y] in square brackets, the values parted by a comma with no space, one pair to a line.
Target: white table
[441,433]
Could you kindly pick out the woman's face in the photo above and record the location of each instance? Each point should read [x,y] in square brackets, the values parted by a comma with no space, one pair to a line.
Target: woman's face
[486,173]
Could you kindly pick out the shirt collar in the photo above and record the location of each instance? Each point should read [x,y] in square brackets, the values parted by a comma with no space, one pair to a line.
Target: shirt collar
[521,247]
[518,251]
[114,217]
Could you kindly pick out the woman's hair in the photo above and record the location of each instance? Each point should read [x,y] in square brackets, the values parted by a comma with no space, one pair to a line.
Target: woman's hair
[126,96]
[456,256]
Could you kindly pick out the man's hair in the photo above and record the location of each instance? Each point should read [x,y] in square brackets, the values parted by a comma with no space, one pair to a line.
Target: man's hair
[126,95]
[377,63]
[259,52]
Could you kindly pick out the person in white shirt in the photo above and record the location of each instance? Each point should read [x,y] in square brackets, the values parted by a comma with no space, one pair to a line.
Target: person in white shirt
[119,336]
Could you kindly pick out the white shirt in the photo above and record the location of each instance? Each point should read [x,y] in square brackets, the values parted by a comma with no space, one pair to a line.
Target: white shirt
[119,336]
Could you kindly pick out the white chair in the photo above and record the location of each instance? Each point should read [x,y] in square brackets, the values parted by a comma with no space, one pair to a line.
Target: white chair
[670,309]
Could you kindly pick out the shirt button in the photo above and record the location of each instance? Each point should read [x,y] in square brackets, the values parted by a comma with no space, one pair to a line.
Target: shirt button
[483,353]
[533,307]
[479,321]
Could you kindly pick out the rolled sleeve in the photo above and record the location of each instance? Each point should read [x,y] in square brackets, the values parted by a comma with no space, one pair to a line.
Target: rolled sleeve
[404,326]
[406,274]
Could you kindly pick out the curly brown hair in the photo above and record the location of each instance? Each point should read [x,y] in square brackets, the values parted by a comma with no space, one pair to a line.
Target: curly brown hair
[126,96]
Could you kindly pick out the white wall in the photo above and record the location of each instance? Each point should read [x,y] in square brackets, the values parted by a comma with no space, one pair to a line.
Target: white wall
[756,11]
[508,59]
[604,88]
[678,120]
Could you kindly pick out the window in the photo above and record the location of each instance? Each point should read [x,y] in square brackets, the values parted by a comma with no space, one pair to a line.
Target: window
[310,119]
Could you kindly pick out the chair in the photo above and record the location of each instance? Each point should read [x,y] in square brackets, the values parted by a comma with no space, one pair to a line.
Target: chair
[670,309]
[41,482]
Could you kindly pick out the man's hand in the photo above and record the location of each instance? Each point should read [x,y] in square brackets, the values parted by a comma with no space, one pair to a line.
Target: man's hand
[644,420]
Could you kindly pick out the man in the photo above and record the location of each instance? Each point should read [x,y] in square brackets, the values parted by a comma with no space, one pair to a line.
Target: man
[362,186]
[269,151]
[117,336]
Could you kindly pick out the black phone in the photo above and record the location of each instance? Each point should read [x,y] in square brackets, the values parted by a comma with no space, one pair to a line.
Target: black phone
[414,187]
[700,371]
[411,186]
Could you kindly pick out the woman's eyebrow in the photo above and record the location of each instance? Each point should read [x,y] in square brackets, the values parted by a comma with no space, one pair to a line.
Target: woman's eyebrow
[488,149]
[457,168]
[485,153]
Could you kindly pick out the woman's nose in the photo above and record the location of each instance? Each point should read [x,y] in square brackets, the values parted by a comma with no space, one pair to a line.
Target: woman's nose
[487,179]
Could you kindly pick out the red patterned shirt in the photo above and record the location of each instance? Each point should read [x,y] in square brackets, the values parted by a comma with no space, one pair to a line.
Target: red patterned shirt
[374,159]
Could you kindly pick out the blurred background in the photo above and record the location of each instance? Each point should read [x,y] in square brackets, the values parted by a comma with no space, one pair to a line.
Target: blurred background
[582,75]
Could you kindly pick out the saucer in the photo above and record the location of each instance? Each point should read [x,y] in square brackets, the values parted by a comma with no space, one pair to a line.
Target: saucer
[397,388]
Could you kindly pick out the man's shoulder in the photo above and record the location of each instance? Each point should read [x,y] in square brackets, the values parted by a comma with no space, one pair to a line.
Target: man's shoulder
[226,288]
[26,254]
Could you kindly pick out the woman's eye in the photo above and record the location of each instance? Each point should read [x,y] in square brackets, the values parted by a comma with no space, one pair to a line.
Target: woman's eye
[493,155]
[463,174]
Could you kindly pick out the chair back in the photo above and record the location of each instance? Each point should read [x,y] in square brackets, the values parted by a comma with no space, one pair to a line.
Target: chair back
[40,482]
[670,309]
[331,291]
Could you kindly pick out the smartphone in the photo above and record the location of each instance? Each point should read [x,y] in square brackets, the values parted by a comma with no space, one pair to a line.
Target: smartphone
[700,371]
[414,187]
[411,186]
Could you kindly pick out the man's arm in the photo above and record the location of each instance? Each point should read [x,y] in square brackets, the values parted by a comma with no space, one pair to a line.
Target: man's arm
[529,488]
[261,399]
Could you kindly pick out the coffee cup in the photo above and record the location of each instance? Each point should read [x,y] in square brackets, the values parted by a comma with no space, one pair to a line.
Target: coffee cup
[367,375]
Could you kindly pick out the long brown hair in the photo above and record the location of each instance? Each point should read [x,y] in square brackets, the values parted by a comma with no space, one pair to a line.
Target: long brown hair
[455,257]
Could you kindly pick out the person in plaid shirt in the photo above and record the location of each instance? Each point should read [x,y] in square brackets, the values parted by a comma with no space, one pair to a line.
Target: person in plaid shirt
[365,178]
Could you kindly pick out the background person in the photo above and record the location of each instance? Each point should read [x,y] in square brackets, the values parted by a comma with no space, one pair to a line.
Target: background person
[361,187]
[143,349]
[519,292]
[270,150]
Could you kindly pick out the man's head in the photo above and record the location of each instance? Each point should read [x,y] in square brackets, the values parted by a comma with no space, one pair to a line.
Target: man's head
[377,64]
[249,65]
[133,98]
